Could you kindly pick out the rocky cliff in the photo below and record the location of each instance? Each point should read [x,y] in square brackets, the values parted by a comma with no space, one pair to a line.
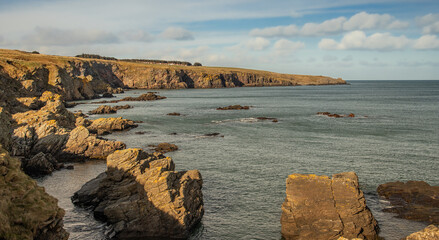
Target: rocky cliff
[318,207]
[142,196]
[26,210]
[80,78]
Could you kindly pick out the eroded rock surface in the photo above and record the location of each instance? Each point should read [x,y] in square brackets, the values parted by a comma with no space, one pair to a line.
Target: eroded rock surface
[103,126]
[413,200]
[318,207]
[429,233]
[105,109]
[26,211]
[141,195]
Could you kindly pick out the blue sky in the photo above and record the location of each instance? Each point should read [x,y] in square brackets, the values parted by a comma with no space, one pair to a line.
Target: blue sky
[378,40]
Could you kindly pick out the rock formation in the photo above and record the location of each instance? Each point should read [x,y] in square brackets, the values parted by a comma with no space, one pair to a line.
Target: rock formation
[318,207]
[234,107]
[141,195]
[39,165]
[174,114]
[150,96]
[26,211]
[103,126]
[429,233]
[105,109]
[414,200]
[335,115]
[166,147]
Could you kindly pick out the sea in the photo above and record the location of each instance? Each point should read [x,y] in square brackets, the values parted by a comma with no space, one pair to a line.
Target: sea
[394,136]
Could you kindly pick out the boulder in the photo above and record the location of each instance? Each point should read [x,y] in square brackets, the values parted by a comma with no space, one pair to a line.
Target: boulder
[26,211]
[166,147]
[39,165]
[429,233]
[83,145]
[107,95]
[103,126]
[142,196]
[174,114]
[234,107]
[413,200]
[318,207]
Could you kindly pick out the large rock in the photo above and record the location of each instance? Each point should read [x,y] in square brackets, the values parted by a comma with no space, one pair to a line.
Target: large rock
[429,233]
[142,196]
[40,164]
[103,126]
[318,207]
[83,145]
[105,109]
[414,200]
[26,210]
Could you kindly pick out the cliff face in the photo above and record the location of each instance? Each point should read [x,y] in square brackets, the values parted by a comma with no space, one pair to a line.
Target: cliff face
[78,78]
[26,210]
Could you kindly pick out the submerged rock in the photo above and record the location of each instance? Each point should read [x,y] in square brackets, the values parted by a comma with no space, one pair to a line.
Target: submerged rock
[26,211]
[142,196]
[413,200]
[174,114]
[234,107]
[318,207]
[429,233]
[103,126]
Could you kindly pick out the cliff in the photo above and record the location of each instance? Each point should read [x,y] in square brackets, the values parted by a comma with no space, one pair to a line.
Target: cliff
[80,78]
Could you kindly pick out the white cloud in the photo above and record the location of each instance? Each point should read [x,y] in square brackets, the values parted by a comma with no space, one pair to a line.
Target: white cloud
[61,37]
[427,42]
[429,23]
[360,21]
[295,14]
[284,45]
[279,31]
[359,40]
[193,52]
[257,44]
[177,33]
[138,36]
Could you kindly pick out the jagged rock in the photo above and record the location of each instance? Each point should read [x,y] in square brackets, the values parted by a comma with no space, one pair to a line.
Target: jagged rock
[103,126]
[166,147]
[81,121]
[5,128]
[107,95]
[413,200]
[33,103]
[150,96]
[317,207]
[82,145]
[105,109]
[39,165]
[429,233]
[234,107]
[26,211]
[142,196]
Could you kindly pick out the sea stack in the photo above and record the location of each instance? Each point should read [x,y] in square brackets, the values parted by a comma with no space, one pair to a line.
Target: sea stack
[321,208]
[142,196]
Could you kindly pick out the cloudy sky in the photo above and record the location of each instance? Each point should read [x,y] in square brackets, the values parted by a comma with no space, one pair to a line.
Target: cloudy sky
[361,39]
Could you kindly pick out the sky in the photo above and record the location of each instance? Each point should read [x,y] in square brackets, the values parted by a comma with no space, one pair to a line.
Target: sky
[354,40]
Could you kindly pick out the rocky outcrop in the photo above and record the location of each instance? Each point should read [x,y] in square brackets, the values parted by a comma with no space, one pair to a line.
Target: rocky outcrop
[39,165]
[165,147]
[150,96]
[174,114]
[335,115]
[105,109]
[26,210]
[413,200]
[429,233]
[103,126]
[5,128]
[234,107]
[268,118]
[318,207]
[142,196]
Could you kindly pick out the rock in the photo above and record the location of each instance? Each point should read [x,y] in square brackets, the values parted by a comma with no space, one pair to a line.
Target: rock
[267,118]
[166,147]
[317,207]
[413,200]
[70,167]
[150,96]
[107,95]
[5,128]
[81,121]
[103,126]
[142,196]
[429,233]
[351,115]
[105,109]
[83,145]
[39,165]
[334,115]
[26,210]
[234,107]
[211,134]
[174,114]
[140,132]
[33,103]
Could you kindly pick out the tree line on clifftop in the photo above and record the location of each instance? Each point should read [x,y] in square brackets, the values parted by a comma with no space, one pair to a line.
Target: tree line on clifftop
[147,61]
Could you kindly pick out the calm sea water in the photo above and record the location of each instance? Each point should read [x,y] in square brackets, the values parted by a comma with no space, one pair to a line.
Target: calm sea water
[394,136]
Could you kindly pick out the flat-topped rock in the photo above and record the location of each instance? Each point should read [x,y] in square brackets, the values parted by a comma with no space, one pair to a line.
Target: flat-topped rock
[103,126]
[142,196]
[105,109]
[413,200]
[318,207]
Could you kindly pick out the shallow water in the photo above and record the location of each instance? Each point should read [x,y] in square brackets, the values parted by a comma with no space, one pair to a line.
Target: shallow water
[394,136]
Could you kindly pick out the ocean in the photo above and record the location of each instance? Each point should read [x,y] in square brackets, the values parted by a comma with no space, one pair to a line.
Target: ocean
[394,136]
